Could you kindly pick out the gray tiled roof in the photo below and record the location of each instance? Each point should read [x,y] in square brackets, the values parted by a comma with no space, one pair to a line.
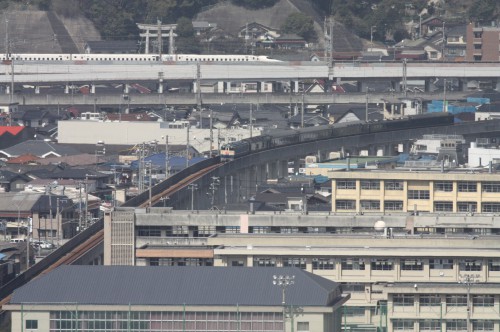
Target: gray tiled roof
[176,285]
[38,148]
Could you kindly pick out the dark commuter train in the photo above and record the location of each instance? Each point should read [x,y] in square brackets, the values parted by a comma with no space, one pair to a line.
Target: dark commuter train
[278,138]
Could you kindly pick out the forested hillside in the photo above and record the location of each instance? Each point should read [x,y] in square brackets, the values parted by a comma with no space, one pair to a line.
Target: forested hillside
[116,19]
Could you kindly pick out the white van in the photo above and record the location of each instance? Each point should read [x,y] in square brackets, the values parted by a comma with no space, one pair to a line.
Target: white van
[17,240]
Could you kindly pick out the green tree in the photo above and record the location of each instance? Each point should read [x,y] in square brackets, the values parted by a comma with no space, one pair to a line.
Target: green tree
[254,4]
[186,41]
[68,8]
[484,10]
[300,24]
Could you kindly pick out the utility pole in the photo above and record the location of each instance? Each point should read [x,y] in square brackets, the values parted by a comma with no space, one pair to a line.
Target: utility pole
[213,188]
[211,133]
[198,91]
[444,96]
[86,201]
[50,212]
[58,218]
[167,165]
[80,207]
[251,124]
[302,108]
[444,43]
[187,146]
[468,280]
[366,105]
[192,186]
[148,167]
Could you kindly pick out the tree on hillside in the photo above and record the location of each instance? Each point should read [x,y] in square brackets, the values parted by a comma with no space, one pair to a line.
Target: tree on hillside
[115,19]
[484,10]
[67,8]
[300,24]
[186,41]
[254,4]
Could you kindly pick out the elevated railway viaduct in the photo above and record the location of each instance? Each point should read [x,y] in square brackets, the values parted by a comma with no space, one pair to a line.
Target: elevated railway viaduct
[242,175]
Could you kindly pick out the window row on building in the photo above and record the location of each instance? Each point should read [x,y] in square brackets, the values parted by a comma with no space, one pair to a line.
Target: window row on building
[439,186]
[172,321]
[437,325]
[383,264]
[451,300]
[395,205]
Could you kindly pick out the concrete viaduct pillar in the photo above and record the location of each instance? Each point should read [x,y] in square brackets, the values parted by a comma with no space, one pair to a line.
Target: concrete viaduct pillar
[228,87]
[361,86]
[37,89]
[427,85]
[126,88]
[396,86]
[92,89]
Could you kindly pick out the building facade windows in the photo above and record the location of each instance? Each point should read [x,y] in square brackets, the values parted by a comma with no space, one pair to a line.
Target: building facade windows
[394,185]
[470,265]
[323,264]
[31,324]
[494,264]
[382,264]
[483,300]
[467,187]
[443,206]
[403,300]
[402,325]
[393,205]
[446,186]
[352,264]
[441,264]
[346,184]
[430,325]
[418,194]
[149,231]
[456,325]
[370,185]
[412,265]
[456,300]
[491,187]
[430,300]
[354,311]
[491,207]
[467,206]
[302,326]
[122,321]
[370,205]
[345,204]
[482,325]
[294,262]
[264,262]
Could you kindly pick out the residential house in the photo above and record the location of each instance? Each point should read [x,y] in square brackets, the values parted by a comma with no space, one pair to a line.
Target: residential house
[12,135]
[10,259]
[203,27]
[41,149]
[456,43]
[290,41]
[432,25]
[43,215]
[10,181]
[34,118]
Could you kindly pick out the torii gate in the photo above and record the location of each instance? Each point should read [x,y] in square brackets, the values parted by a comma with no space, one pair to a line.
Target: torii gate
[158,31]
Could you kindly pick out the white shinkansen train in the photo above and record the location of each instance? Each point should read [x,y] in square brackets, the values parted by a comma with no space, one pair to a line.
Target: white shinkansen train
[138,57]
